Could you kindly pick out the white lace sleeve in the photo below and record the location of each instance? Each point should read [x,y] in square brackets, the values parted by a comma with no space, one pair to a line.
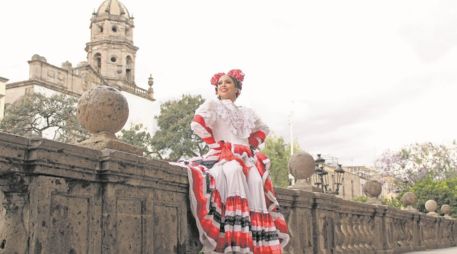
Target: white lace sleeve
[259,132]
[203,122]
[208,112]
[259,125]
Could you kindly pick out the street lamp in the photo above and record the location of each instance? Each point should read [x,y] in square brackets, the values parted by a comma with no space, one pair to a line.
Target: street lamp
[339,172]
[321,177]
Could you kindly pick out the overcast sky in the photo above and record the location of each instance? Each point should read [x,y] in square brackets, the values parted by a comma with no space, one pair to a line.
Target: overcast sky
[357,77]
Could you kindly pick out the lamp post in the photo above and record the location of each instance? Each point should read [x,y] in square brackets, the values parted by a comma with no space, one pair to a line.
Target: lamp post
[339,172]
[321,177]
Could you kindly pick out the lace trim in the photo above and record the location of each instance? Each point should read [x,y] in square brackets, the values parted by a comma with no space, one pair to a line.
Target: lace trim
[241,119]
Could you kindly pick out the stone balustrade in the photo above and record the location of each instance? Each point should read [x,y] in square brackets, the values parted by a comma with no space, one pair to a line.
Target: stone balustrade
[61,198]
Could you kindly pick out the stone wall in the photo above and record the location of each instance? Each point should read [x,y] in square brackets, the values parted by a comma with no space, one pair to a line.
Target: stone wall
[60,198]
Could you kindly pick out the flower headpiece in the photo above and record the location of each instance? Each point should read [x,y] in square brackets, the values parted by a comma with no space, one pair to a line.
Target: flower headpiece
[235,73]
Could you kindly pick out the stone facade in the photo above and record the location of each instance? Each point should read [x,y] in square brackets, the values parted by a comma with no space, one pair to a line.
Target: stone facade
[2,96]
[110,61]
[351,186]
[61,198]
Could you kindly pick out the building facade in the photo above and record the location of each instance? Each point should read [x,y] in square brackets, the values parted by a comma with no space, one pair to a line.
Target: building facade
[110,61]
[2,96]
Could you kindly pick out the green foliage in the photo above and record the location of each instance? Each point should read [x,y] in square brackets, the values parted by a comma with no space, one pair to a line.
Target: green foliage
[34,115]
[279,153]
[443,191]
[174,139]
[139,136]
[361,199]
[392,202]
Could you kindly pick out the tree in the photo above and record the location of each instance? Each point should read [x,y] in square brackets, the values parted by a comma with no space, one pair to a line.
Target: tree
[139,136]
[419,161]
[443,191]
[174,139]
[279,153]
[38,115]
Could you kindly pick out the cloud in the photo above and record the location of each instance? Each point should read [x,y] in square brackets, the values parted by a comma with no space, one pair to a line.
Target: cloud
[434,36]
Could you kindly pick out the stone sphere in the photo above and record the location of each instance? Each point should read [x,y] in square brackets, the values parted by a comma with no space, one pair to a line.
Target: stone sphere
[102,109]
[301,165]
[431,205]
[409,198]
[372,188]
[446,209]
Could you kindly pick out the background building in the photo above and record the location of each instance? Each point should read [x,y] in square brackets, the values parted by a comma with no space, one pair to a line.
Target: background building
[110,61]
[2,96]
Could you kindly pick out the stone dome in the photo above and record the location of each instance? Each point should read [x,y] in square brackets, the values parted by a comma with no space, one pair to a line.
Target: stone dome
[113,7]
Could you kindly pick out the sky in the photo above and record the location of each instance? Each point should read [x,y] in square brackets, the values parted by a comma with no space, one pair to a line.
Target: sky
[353,78]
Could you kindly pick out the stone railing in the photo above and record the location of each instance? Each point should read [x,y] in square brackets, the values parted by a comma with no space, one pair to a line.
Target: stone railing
[138,91]
[60,198]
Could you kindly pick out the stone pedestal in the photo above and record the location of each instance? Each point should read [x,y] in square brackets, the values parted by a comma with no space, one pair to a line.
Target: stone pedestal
[431,207]
[302,167]
[409,200]
[373,189]
[103,111]
[446,210]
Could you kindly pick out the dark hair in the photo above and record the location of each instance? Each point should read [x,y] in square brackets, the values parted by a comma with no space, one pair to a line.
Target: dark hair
[236,82]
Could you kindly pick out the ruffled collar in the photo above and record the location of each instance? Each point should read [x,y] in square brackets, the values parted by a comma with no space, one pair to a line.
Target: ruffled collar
[228,102]
[240,118]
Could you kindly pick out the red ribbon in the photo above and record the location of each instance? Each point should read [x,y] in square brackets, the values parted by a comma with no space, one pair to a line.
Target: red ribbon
[227,154]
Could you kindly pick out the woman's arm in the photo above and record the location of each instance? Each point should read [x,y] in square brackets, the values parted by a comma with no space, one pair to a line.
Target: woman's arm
[203,123]
[259,133]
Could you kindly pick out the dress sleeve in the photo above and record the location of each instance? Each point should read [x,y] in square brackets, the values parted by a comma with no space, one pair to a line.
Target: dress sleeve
[203,122]
[259,133]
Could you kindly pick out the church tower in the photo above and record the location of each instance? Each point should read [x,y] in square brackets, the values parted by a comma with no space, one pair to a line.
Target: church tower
[111,51]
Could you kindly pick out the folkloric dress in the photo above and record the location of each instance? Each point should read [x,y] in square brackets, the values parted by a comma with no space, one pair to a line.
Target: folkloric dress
[231,194]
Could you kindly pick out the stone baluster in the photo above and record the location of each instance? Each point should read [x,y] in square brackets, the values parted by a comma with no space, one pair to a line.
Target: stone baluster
[339,237]
[389,231]
[362,234]
[345,232]
[357,234]
[411,228]
[369,234]
[350,232]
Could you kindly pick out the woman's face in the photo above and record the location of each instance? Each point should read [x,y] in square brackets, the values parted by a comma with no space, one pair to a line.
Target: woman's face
[226,88]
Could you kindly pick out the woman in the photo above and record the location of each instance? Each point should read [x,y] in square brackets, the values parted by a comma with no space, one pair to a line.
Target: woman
[231,193]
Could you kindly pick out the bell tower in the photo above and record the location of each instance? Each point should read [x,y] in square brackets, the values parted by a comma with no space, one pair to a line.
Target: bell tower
[110,51]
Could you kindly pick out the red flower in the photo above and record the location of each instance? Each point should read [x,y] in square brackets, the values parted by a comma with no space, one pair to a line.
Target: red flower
[216,78]
[237,74]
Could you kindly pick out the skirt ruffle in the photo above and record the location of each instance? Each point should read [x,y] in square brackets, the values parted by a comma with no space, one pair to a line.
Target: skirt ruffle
[230,226]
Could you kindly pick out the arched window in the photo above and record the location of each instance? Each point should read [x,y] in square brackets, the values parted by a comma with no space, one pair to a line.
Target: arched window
[128,68]
[98,61]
